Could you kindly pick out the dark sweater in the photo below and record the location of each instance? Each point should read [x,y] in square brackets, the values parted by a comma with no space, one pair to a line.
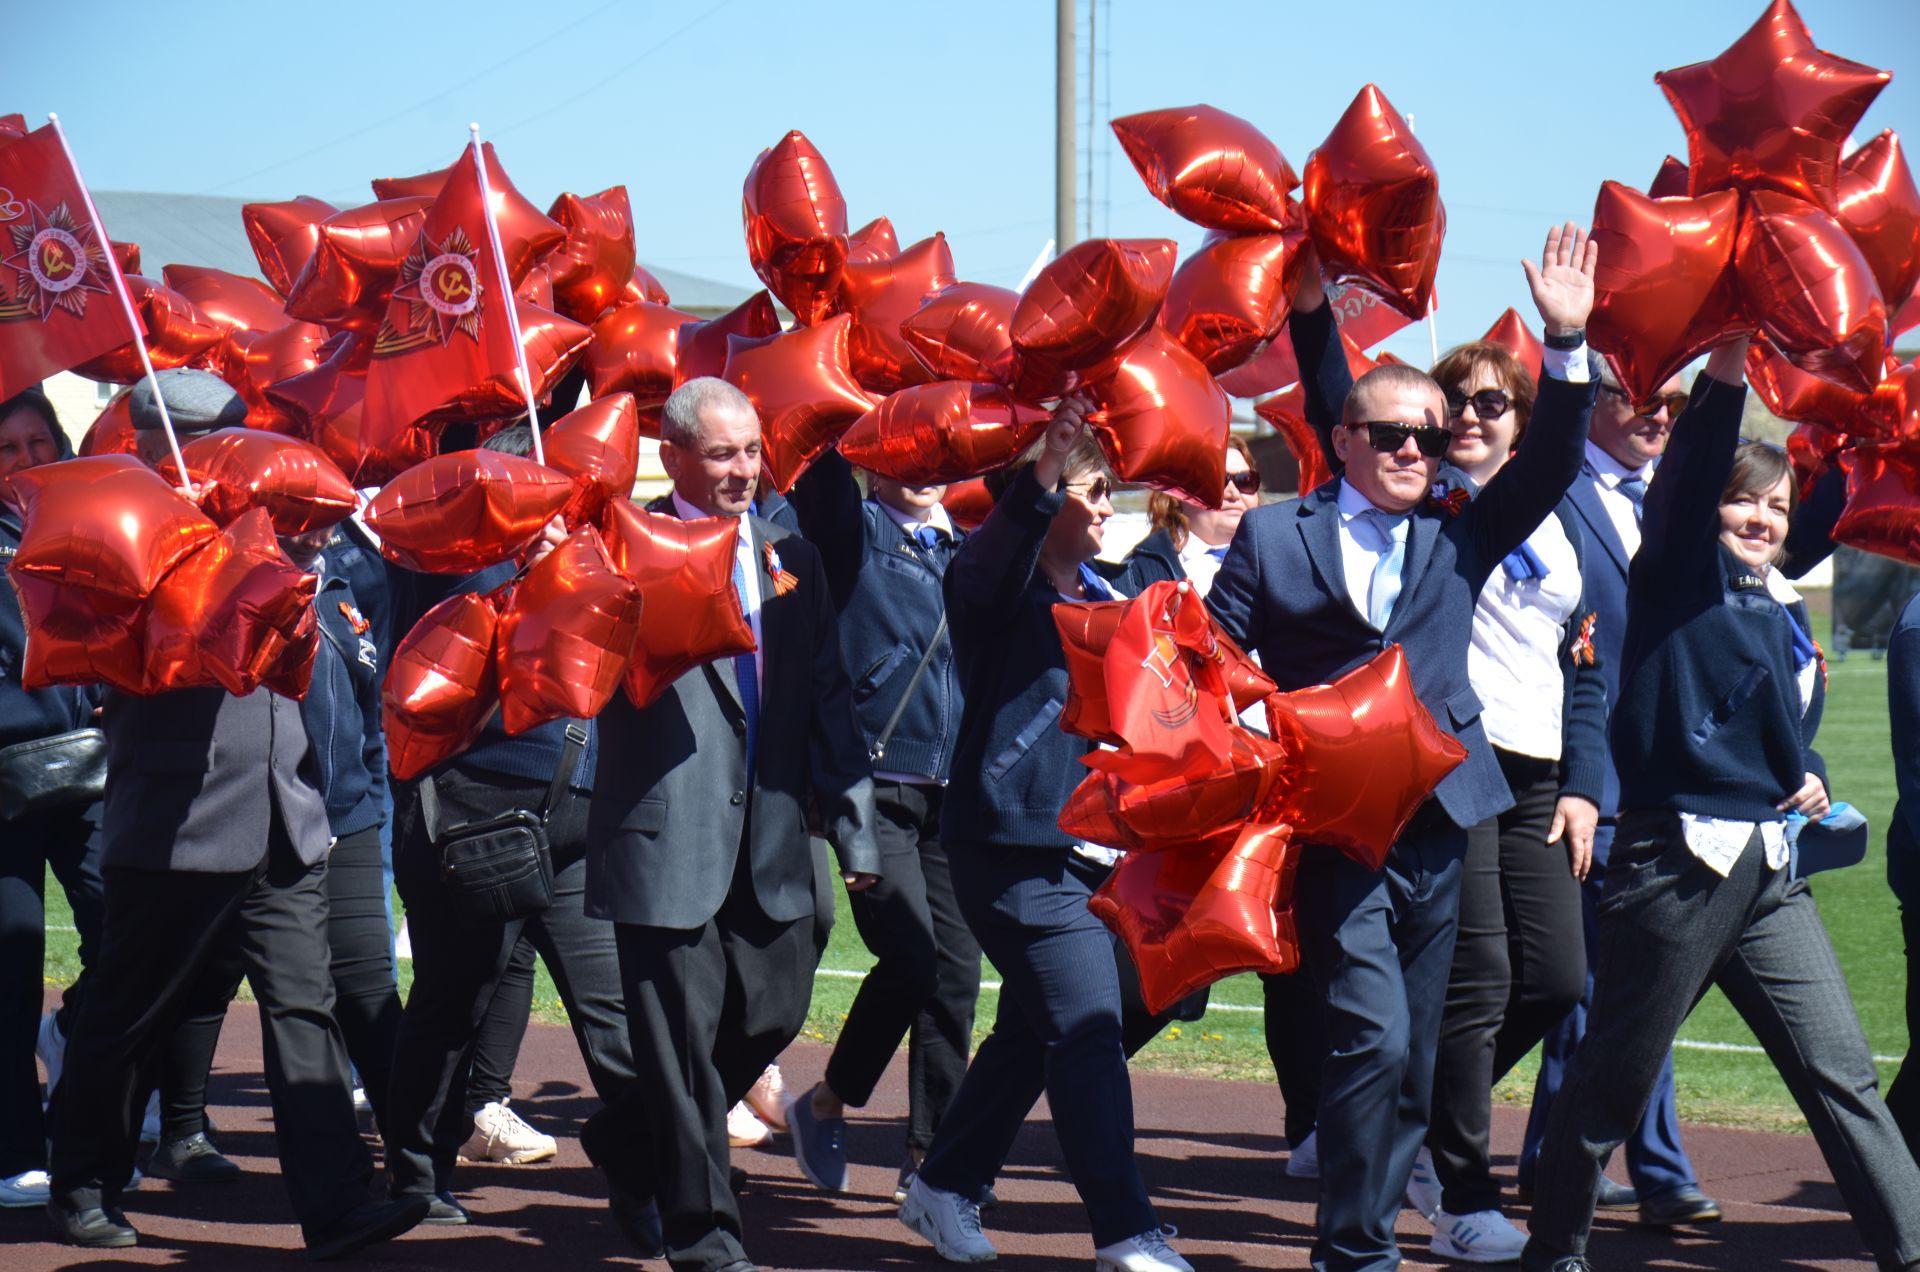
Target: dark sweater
[1709,719]
[342,711]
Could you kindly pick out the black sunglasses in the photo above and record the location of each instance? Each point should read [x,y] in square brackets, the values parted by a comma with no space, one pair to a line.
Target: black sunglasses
[1388,436]
[1674,402]
[1488,404]
[1247,482]
[1099,488]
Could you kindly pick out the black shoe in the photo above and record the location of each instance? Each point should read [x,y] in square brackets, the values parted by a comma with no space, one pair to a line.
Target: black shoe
[1616,1196]
[442,1209]
[1683,1205]
[366,1224]
[1537,1258]
[736,1180]
[639,1222]
[193,1160]
[740,1265]
[94,1227]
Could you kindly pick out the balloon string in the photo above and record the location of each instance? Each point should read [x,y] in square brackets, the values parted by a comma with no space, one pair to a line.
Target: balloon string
[513,315]
[126,307]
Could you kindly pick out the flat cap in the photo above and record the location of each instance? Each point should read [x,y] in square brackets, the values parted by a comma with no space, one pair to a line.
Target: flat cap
[198,401]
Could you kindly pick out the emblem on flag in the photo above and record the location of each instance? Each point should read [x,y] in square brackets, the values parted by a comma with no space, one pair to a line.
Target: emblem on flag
[56,260]
[441,284]
[782,581]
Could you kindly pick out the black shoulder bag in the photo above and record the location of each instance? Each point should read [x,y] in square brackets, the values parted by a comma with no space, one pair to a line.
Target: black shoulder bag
[53,772]
[501,868]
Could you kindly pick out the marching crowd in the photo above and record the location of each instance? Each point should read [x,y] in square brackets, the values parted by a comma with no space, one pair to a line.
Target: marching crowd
[1593,596]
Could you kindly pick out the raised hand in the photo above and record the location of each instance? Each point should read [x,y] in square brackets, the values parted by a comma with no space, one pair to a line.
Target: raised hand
[1063,431]
[1562,282]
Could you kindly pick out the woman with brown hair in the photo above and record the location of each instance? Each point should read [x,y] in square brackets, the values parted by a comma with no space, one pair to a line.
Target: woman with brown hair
[1189,540]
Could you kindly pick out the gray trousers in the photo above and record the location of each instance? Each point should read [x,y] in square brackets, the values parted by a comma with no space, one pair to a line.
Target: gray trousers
[1669,928]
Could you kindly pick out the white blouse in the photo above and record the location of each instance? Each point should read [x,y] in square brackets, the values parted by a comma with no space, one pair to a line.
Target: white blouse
[1513,662]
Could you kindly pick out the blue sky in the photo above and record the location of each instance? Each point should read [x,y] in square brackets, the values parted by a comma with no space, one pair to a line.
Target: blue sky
[939,116]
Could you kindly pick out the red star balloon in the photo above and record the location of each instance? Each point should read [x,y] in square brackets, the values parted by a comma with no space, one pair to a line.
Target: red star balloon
[882,295]
[1802,397]
[803,388]
[1772,111]
[236,470]
[1085,309]
[1231,295]
[1811,289]
[598,446]
[1086,630]
[1812,450]
[932,434]
[233,303]
[1177,814]
[684,569]
[324,406]
[1287,412]
[642,285]
[1372,202]
[234,614]
[968,503]
[111,432]
[1664,292]
[1673,181]
[284,237]
[592,268]
[1273,366]
[355,264]
[796,226]
[703,345]
[1883,502]
[265,359]
[458,513]
[441,686]
[636,350]
[566,635]
[1215,169]
[178,332]
[78,637]
[1875,199]
[873,242]
[1510,332]
[964,333]
[1163,422]
[106,524]
[1893,409]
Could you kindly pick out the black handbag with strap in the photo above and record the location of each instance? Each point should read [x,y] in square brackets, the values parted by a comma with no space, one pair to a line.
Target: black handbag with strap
[61,771]
[501,868]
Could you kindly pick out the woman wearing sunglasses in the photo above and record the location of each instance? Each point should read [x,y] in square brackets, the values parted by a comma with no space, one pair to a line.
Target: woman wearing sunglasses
[1021,883]
[1189,540]
[1713,734]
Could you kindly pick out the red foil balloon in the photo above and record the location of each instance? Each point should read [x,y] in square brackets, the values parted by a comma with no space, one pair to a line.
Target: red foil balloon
[178,332]
[1510,332]
[458,513]
[1673,181]
[1372,202]
[804,390]
[1802,397]
[526,233]
[234,303]
[598,446]
[968,503]
[1908,316]
[1893,409]
[1812,450]
[932,434]
[964,333]
[234,614]
[239,469]
[1772,111]
[1177,815]
[1883,502]
[1664,292]
[796,226]
[79,638]
[592,268]
[441,686]
[325,407]
[873,242]
[566,635]
[684,569]
[1163,421]
[703,345]
[111,432]
[106,524]
[1085,309]
[1878,204]
[1231,295]
[636,350]
[1215,169]
[1287,412]
[267,358]
[284,237]
[355,263]
[883,295]
[642,285]
[1811,289]
[1364,755]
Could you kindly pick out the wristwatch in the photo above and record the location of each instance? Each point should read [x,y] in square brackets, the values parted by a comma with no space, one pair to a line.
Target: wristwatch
[1567,342]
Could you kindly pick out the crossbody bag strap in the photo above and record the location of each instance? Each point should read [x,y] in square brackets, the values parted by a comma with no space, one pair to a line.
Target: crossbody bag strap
[879,747]
[563,772]
[430,809]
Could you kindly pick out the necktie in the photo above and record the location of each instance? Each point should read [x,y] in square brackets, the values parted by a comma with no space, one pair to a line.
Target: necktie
[929,537]
[1384,589]
[1219,553]
[746,674]
[1803,646]
[1524,563]
[1635,489]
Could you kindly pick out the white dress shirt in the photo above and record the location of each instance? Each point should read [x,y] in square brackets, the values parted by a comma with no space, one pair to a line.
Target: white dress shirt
[1362,544]
[1607,473]
[1513,661]
[1199,563]
[749,570]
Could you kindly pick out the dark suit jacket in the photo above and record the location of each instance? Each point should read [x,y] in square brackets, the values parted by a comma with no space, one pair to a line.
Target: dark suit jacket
[1903,702]
[670,804]
[194,778]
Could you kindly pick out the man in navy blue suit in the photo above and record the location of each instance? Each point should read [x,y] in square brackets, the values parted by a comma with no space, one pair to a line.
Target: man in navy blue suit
[1322,584]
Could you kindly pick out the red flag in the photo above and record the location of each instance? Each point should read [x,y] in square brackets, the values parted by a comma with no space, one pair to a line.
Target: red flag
[1166,694]
[57,301]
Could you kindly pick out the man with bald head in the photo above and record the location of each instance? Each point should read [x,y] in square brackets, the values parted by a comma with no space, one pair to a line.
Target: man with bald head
[697,844]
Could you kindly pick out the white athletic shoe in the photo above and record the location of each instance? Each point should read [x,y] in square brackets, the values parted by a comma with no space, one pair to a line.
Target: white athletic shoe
[500,1135]
[1423,1186]
[1303,1159]
[28,1188]
[744,1130]
[949,1221]
[1485,1236]
[1148,1252]
[51,1047]
[768,1098]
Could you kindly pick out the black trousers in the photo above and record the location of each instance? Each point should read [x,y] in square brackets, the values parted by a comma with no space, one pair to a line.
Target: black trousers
[1294,1015]
[1903,1097]
[1519,966]
[65,841]
[927,978]
[708,1009]
[163,929]
[496,1048]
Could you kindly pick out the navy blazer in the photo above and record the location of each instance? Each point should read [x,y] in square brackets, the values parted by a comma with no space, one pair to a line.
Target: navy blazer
[342,710]
[1903,703]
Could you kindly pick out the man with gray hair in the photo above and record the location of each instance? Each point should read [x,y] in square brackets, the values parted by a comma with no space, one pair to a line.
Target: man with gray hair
[697,844]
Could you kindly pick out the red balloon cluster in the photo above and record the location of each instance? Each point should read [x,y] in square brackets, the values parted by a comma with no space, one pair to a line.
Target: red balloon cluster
[463,512]
[1212,816]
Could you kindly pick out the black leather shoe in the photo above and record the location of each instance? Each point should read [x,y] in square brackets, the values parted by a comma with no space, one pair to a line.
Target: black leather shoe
[442,1209]
[366,1224]
[639,1222]
[193,1160]
[740,1265]
[1535,1258]
[1683,1205]
[1616,1196]
[94,1227]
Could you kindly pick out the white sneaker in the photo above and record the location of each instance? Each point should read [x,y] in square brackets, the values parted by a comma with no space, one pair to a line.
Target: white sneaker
[150,1123]
[500,1135]
[949,1221]
[1303,1159]
[1423,1186]
[768,1098]
[744,1130]
[51,1047]
[1148,1252]
[28,1188]
[1485,1236]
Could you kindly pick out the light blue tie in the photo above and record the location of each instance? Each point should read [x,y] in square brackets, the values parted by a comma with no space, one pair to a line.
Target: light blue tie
[1384,589]
[745,673]
[1635,489]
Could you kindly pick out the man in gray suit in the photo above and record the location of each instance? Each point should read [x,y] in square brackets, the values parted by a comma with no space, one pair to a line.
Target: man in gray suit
[214,847]
[697,844]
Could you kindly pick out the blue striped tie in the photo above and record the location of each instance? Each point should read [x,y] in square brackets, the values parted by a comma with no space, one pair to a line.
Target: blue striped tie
[745,673]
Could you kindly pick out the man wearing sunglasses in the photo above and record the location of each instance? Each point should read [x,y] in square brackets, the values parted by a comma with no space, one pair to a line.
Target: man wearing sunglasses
[1322,585]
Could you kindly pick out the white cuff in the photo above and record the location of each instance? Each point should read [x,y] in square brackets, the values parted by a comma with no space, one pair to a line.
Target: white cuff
[1569,365]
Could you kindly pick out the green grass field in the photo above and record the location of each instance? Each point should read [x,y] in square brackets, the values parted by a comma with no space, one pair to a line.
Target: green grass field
[1724,1087]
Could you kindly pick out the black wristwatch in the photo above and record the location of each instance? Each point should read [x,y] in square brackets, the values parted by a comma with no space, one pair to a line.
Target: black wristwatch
[1567,343]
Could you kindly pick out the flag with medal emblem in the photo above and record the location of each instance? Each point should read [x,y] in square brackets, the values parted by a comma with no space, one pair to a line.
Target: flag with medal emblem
[1166,690]
[57,301]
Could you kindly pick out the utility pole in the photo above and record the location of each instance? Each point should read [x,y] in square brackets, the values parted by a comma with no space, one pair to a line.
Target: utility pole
[1063,157]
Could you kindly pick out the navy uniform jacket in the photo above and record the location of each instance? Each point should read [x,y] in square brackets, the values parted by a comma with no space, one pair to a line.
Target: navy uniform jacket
[342,710]
[1903,702]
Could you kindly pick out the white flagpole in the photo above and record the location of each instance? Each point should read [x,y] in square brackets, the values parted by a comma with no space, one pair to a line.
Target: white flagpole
[513,312]
[1039,263]
[126,307]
